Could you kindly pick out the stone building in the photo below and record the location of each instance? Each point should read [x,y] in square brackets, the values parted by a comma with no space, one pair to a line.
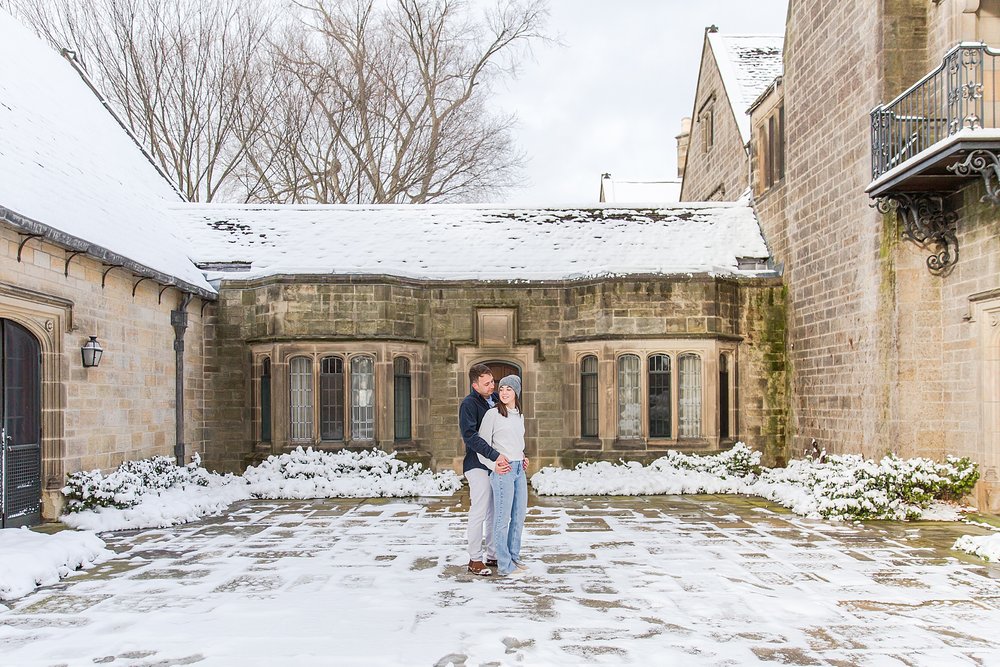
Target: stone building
[892,311]
[635,330]
[240,331]
[84,252]
[735,69]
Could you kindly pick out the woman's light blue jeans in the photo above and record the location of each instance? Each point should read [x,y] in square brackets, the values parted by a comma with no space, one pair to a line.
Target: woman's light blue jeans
[510,504]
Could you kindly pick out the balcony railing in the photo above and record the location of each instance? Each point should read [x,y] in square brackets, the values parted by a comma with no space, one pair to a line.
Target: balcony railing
[959,94]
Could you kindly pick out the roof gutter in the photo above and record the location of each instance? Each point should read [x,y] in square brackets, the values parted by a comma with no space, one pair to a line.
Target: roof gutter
[73,243]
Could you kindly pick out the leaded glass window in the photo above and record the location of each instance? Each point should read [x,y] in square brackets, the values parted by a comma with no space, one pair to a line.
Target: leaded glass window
[265,400]
[723,396]
[401,397]
[689,395]
[629,391]
[659,396]
[588,397]
[300,398]
[331,399]
[363,398]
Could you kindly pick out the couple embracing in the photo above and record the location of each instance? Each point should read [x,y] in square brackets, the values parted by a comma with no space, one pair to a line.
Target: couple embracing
[492,427]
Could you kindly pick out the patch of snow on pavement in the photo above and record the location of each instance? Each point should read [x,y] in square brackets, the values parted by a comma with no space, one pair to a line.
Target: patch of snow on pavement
[29,559]
[986,547]
[613,581]
[164,507]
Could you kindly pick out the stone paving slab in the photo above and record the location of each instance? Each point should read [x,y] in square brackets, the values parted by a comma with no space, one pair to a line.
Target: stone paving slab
[686,580]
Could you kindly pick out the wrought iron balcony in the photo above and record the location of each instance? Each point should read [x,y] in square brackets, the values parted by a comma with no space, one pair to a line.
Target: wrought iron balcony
[931,139]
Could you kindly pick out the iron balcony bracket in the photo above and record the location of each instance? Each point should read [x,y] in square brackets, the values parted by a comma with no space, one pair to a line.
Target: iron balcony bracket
[927,223]
[983,163]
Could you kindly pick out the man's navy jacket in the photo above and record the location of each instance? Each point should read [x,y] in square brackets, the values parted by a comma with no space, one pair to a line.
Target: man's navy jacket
[470,418]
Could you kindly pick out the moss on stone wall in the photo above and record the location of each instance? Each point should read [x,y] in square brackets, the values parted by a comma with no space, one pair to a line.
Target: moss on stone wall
[766,325]
[886,332]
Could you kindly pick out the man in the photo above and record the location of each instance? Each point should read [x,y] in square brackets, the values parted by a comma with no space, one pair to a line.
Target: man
[470,418]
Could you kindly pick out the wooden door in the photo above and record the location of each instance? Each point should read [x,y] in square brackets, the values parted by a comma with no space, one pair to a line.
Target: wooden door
[21,418]
[502,369]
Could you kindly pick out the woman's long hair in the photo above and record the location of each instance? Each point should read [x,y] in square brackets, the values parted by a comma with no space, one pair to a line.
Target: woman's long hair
[502,409]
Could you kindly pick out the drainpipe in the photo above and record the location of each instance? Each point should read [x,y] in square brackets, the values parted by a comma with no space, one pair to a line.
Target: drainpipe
[179,321]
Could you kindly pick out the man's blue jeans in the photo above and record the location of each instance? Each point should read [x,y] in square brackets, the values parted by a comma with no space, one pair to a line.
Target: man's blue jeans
[510,504]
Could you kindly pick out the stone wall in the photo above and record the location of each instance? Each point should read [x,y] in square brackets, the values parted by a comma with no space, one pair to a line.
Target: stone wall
[444,328]
[822,230]
[717,172]
[883,354]
[123,409]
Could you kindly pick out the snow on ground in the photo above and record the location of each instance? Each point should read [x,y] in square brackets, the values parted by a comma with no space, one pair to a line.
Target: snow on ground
[693,581]
[297,474]
[984,546]
[165,507]
[29,559]
[940,510]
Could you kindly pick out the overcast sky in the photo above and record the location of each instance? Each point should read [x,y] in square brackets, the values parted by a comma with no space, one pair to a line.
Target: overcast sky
[612,97]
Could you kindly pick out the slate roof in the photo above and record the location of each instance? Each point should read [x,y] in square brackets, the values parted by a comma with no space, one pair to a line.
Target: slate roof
[70,172]
[748,65]
[471,242]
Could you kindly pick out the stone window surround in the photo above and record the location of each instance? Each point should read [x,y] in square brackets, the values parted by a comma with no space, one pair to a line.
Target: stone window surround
[768,146]
[383,352]
[608,352]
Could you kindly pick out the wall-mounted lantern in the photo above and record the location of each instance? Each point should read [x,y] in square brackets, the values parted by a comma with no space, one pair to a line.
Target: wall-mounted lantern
[91,352]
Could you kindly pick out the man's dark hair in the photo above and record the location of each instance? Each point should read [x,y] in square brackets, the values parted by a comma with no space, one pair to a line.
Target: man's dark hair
[477,371]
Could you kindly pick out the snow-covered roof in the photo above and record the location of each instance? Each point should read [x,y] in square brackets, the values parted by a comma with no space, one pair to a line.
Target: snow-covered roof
[470,242]
[617,191]
[748,65]
[70,172]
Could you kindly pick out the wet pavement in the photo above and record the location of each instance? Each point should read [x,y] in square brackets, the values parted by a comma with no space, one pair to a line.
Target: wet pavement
[686,580]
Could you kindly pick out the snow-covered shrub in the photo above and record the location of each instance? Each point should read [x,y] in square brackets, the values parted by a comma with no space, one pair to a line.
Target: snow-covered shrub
[842,487]
[740,461]
[675,473]
[123,488]
[958,476]
[853,487]
[309,473]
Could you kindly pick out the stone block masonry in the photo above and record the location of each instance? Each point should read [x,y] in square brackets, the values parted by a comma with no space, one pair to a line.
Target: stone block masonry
[443,328]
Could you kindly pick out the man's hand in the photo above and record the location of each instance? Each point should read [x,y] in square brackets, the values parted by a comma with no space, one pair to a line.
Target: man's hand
[503,465]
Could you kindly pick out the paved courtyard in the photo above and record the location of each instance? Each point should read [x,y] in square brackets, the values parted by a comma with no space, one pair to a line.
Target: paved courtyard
[670,580]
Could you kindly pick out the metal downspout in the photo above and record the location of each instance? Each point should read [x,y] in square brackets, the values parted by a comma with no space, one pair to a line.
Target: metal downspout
[179,321]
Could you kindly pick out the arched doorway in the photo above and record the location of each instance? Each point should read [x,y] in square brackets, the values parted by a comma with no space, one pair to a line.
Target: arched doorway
[20,426]
[502,369]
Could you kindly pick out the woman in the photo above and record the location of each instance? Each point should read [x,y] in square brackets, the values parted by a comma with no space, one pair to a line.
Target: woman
[503,429]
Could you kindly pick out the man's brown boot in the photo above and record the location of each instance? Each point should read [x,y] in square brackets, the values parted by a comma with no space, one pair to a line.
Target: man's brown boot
[478,568]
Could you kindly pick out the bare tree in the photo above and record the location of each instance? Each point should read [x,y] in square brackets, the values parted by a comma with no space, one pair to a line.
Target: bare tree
[392,103]
[178,71]
[331,101]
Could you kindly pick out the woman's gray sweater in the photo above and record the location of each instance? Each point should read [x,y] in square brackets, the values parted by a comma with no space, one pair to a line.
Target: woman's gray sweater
[504,434]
